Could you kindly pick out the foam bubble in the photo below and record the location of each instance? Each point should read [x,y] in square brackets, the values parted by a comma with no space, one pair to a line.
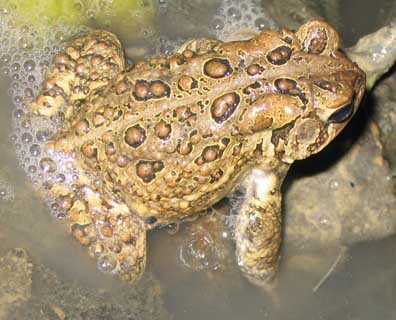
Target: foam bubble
[233,16]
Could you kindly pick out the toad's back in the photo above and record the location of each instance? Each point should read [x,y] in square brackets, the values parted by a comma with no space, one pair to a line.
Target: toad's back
[172,134]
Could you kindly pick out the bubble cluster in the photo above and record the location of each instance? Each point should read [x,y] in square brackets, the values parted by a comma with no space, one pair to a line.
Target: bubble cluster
[235,16]
[201,252]
[232,18]
[25,55]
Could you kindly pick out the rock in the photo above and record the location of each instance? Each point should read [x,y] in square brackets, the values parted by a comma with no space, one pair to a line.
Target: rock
[384,114]
[349,202]
[375,53]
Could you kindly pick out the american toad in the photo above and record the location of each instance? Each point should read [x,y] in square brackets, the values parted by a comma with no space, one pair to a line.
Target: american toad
[161,140]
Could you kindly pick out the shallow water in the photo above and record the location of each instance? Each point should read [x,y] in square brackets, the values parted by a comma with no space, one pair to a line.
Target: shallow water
[362,286]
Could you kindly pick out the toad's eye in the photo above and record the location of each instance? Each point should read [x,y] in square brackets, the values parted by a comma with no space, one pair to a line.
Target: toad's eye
[342,114]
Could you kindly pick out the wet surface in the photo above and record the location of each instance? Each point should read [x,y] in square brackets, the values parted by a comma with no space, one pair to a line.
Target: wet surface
[193,274]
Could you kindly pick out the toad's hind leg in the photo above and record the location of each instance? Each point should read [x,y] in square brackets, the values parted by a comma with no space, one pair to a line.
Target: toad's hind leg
[258,227]
[89,62]
[115,236]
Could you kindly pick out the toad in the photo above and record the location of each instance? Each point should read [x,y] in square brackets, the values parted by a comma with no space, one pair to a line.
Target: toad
[161,140]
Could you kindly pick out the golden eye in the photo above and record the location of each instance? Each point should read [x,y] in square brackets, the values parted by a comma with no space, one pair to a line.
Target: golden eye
[342,114]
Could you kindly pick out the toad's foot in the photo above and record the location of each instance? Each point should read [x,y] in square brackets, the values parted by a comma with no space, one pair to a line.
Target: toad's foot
[258,228]
[114,235]
[89,62]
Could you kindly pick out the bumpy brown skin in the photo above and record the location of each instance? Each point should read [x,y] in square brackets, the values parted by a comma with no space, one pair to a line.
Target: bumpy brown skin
[171,136]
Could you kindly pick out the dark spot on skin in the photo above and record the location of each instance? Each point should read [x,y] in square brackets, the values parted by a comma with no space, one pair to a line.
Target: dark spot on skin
[290,87]
[106,231]
[318,42]
[110,149]
[259,148]
[117,115]
[241,64]
[89,150]
[187,83]
[303,99]
[172,179]
[177,60]
[200,160]
[205,170]
[151,220]
[184,148]
[217,68]
[207,135]
[135,136]
[216,175]
[281,133]
[342,114]
[183,113]
[158,165]
[326,85]
[288,40]
[255,85]
[98,119]
[246,91]
[163,130]
[188,54]
[254,69]
[159,89]
[225,141]
[279,55]
[146,170]
[194,137]
[144,90]
[122,87]
[82,127]
[141,90]
[237,149]
[211,153]
[122,161]
[224,106]
[286,86]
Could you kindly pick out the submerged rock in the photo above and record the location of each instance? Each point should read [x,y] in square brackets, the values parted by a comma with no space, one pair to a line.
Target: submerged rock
[51,297]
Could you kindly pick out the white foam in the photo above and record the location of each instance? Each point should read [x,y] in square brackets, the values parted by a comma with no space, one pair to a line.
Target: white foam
[25,57]
[233,16]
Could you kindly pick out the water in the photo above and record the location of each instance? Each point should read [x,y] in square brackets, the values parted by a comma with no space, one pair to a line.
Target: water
[361,286]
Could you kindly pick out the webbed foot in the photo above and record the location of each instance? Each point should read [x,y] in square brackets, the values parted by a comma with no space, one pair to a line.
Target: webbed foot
[114,235]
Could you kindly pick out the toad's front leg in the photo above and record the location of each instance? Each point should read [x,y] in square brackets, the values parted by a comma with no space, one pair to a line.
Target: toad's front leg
[89,62]
[258,227]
